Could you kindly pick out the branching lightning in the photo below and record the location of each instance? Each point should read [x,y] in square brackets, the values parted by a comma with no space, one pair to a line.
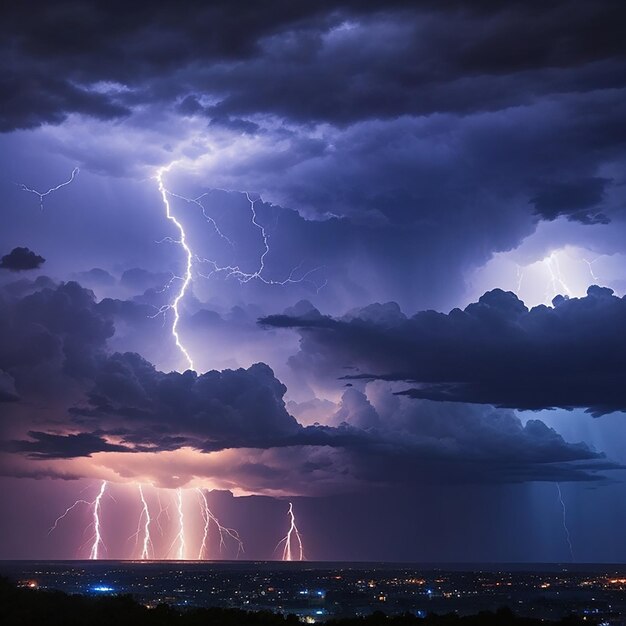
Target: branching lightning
[556,278]
[244,277]
[293,535]
[229,270]
[224,533]
[97,537]
[180,537]
[591,272]
[186,278]
[67,511]
[144,522]
[42,195]
[162,510]
[565,528]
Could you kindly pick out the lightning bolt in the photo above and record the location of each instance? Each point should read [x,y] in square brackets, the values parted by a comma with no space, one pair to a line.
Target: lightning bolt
[66,513]
[556,278]
[229,270]
[180,537]
[565,528]
[95,523]
[186,278]
[144,517]
[97,538]
[162,510]
[520,278]
[287,540]
[224,533]
[591,272]
[43,194]
[244,277]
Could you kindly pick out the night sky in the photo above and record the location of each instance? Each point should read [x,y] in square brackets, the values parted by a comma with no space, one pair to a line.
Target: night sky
[395,257]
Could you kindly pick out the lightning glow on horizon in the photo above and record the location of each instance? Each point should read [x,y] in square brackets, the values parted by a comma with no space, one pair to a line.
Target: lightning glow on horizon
[43,194]
[565,528]
[208,517]
[292,534]
[94,555]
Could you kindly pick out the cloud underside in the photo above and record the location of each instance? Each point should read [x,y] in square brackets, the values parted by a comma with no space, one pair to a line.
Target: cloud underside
[95,404]
[495,351]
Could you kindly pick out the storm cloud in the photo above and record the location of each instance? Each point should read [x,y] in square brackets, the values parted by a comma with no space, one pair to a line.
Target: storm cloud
[495,351]
[120,403]
[20,259]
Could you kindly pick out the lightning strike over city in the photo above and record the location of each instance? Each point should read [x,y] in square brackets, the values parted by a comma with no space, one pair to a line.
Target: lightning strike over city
[179,541]
[343,274]
[568,537]
[291,540]
[98,543]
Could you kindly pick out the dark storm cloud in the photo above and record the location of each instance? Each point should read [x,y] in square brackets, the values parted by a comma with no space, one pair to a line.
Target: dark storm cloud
[122,403]
[33,98]
[21,259]
[495,351]
[51,446]
[577,200]
[336,61]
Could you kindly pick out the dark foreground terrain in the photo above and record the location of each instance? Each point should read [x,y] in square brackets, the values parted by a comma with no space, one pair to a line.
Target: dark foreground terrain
[21,606]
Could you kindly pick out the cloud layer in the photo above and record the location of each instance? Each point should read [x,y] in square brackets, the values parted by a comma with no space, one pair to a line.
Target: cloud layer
[54,353]
[495,351]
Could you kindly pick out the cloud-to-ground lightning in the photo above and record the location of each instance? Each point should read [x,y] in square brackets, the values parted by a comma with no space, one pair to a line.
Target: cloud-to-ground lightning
[564,518]
[43,194]
[144,522]
[293,535]
[208,517]
[235,271]
[180,537]
[162,510]
[97,537]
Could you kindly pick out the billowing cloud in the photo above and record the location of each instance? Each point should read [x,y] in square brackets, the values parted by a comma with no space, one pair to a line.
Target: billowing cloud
[21,259]
[337,62]
[54,351]
[495,351]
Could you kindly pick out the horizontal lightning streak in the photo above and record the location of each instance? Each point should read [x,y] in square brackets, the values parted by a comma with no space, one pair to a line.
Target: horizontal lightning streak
[43,194]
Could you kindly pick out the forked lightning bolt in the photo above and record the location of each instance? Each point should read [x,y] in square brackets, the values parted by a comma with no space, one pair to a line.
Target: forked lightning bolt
[144,522]
[234,271]
[556,278]
[224,533]
[180,537]
[565,528]
[97,537]
[292,535]
[43,194]
[186,278]
[245,277]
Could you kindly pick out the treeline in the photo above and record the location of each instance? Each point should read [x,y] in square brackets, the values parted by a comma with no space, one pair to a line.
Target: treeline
[27,607]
